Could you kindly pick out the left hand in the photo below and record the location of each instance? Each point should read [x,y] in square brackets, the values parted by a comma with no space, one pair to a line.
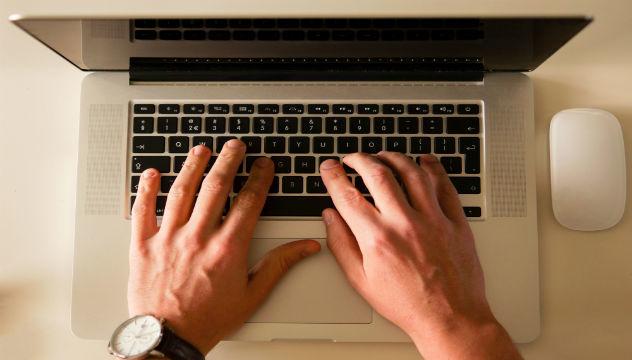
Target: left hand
[192,270]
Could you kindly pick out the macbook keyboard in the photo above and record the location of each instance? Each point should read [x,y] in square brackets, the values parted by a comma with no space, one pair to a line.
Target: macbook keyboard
[299,136]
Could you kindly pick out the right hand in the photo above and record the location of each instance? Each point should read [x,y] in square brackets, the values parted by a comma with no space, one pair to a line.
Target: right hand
[412,256]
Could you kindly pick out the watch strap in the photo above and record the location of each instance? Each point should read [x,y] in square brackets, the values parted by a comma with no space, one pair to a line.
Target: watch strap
[175,348]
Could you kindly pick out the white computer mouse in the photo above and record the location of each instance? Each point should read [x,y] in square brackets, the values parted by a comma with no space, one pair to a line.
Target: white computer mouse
[588,181]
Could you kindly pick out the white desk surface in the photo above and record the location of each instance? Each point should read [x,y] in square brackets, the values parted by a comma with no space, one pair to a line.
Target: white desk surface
[586,277]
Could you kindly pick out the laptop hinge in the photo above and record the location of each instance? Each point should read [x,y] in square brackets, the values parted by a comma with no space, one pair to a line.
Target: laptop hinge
[305,69]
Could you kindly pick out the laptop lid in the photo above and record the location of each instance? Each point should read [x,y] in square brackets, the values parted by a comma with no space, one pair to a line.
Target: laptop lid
[307,49]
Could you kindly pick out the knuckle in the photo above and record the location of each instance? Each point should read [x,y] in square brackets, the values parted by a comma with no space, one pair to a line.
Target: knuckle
[350,196]
[140,208]
[379,172]
[191,164]
[179,190]
[215,184]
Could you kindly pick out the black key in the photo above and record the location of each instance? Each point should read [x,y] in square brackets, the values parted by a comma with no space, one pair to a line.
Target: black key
[298,144]
[368,35]
[359,125]
[167,125]
[349,169]
[143,125]
[443,109]
[466,184]
[472,211]
[178,161]
[397,144]
[191,125]
[393,35]
[444,145]
[263,125]
[433,125]
[268,109]
[293,108]
[282,164]
[221,141]
[323,158]
[368,109]
[145,23]
[359,23]
[393,109]
[311,23]
[243,108]
[304,164]
[216,23]
[311,125]
[471,147]
[408,125]
[418,108]
[347,145]
[468,109]
[169,23]
[268,35]
[134,183]
[296,205]
[417,35]
[142,163]
[210,164]
[170,35]
[221,35]
[253,144]
[166,182]
[192,23]
[178,144]
[323,145]
[239,125]
[335,125]
[292,184]
[383,125]
[264,23]
[148,144]
[203,140]
[244,35]
[274,145]
[218,109]
[420,145]
[145,35]
[315,185]
[452,164]
[215,125]
[335,23]
[342,35]
[293,35]
[238,183]
[194,35]
[287,125]
[318,109]
[463,125]
[342,109]
[317,35]
[169,108]
[240,23]
[193,109]
[359,184]
[442,34]
[371,145]
[274,188]
[161,201]
[144,108]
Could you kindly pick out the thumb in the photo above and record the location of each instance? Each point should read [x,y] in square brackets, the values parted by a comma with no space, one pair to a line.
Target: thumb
[344,246]
[270,269]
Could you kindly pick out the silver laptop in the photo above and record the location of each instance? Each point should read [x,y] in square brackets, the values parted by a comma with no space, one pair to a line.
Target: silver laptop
[301,91]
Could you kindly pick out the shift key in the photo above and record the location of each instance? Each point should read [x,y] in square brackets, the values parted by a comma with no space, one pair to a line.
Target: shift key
[142,163]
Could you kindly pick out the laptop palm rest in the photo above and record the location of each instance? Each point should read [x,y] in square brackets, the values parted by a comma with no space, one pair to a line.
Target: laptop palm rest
[314,291]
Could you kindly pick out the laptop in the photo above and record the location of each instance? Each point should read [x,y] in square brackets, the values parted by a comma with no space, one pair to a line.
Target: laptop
[302,90]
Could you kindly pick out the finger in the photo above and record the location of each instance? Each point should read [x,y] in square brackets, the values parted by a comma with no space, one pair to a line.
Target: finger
[182,192]
[276,263]
[416,180]
[447,196]
[354,208]
[244,213]
[216,187]
[144,223]
[344,246]
[379,179]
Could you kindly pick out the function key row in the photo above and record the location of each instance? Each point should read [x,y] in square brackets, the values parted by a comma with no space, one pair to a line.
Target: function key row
[394,109]
[307,125]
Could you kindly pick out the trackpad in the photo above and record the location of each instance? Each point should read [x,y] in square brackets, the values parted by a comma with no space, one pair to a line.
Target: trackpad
[314,291]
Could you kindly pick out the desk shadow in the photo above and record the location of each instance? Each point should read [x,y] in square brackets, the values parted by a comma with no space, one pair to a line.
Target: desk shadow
[15,321]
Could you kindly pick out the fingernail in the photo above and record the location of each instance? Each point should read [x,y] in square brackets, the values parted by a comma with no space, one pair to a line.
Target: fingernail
[327,217]
[429,158]
[262,162]
[149,173]
[310,249]
[199,150]
[329,164]
[234,143]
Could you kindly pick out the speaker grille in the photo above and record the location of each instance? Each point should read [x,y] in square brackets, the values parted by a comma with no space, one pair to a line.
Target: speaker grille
[506,165]
[103,184]
[108,29]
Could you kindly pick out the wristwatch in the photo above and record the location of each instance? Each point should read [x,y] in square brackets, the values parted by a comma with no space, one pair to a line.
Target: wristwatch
[145,335]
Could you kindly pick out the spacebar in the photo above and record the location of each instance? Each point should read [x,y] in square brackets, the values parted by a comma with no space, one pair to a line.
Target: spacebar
[296,205]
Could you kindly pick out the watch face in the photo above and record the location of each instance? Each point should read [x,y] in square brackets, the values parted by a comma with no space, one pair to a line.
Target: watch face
[136,337]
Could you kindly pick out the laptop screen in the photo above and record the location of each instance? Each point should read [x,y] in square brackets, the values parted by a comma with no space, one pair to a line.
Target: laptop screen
[493,44]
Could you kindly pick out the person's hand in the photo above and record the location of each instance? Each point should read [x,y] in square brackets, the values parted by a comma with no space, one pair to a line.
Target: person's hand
[192,270]
[412,255]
